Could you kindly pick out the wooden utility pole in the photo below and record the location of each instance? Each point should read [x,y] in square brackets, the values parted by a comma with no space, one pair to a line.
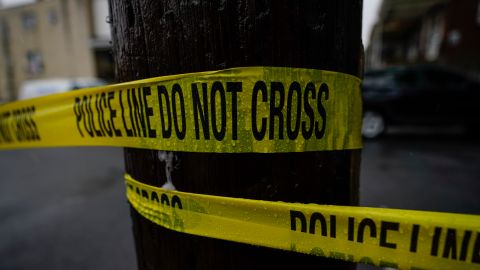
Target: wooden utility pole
[154,38]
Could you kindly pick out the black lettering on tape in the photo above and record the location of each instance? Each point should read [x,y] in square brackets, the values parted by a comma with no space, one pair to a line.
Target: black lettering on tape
[30,123]
[152,133]
[199,112]
[99,114]
[87,120]
[304,221]
[124,121]
[16,125]
[414,238]
[145,194]
[476,250]
[164,200]
[294,215]
[22,126]
[319,133]
[294,88]
[106,122]
[26,124]
[384,228]
[113,113]
[333,226]
[218,133]
[5,132]
[366,222]
[351,228]
[131,113]
[260,87]
[307,127]
[435,241]
[323,223]
[139,112]
[450,249]
[154,197]
[276,110]
[166,124]
[97,132]
[234,88]
[177,91]
[77,110]
[176,202]
[463,250]
[35,127]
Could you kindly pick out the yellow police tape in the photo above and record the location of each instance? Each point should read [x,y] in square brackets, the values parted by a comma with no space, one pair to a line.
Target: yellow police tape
[252,109]
[403,239]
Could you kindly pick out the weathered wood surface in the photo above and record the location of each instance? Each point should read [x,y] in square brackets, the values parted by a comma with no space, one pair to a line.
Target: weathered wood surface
[154,38]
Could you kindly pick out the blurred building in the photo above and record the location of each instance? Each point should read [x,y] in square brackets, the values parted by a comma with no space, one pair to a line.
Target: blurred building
[52,39]
[435,31]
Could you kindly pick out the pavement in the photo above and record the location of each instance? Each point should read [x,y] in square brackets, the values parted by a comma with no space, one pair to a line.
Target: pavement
[421,170]
[433,172]
[65,208]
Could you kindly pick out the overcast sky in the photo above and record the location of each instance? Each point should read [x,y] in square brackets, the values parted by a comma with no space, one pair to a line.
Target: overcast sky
[15,2]
[370,12]
[370,15]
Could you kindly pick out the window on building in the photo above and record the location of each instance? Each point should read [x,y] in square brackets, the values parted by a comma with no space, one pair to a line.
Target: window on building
[52,16]
[35,64]
[29,20]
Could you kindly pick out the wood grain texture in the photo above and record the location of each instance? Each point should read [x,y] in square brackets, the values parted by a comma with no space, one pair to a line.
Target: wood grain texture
[154,38]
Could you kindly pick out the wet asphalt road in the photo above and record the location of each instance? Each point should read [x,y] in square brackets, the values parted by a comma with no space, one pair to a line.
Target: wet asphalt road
[439,172]
[65,208]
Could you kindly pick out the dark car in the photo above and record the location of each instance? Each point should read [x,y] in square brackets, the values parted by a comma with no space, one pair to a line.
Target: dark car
[418,95]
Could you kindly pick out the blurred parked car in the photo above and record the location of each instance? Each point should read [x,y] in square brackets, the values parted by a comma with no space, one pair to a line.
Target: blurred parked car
[36,88]
[418,95]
